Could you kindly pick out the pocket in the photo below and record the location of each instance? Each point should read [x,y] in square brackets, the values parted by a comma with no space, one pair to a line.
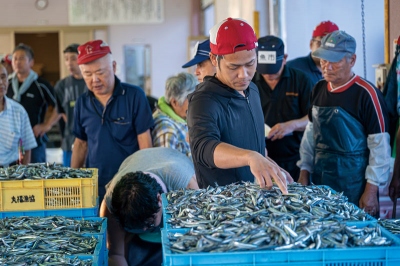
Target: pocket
[9,139]
[123,132]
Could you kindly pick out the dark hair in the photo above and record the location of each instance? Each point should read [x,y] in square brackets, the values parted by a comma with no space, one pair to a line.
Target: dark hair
[219,58]
[26,48]
[134,200]
[72,48]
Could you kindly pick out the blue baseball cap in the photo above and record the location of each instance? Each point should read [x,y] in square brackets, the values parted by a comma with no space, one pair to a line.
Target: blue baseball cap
[335,46]
[270,54]
[201,53]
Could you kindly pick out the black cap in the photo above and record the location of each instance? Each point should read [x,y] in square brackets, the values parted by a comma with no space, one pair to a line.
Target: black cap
[270,54]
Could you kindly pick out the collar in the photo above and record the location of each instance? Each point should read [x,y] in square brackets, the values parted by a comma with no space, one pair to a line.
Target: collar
[285,72]
[345,86]
[311,64]
[214,79]
[7,104]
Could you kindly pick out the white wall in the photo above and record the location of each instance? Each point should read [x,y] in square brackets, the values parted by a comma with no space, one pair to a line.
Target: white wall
[168,43]
[303,15]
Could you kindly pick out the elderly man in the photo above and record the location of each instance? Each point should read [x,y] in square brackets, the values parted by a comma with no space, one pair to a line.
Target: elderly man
[346,144]
[310,64]
[170,127]
[201,59]
[16,131]
[226,123]
[112,119]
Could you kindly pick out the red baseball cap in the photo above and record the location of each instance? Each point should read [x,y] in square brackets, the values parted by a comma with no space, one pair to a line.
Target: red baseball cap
[232,35]
[7,59]
[92,50]
[324,28]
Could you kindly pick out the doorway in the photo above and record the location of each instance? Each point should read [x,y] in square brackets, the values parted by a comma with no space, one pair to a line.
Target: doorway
[45,46]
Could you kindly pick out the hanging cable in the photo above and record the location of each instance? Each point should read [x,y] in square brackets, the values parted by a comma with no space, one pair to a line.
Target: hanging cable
[363,37]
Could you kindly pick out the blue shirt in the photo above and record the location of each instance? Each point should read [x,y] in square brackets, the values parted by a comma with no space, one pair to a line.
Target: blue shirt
[15,126]
[111,132]
[307,66]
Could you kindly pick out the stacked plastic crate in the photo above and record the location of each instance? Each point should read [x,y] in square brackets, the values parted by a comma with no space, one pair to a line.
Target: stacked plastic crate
[74,197]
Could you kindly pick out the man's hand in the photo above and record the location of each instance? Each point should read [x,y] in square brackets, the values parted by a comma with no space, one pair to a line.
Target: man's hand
[304,178]
[40,129]
[264,171]
[369,200]
[280,130]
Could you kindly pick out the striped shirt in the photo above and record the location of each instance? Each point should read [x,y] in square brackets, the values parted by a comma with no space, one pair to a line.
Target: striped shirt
[15,126]
[170,133]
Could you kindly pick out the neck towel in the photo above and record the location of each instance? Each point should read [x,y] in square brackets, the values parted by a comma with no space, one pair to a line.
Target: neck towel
[18,91]
[167,109]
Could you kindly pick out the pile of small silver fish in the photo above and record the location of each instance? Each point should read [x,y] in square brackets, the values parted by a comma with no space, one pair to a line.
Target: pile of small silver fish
[44,259]
[42,171]
[46,240]
[51,224]
[273,234]
[207,208]
[25,242]
[246,217]
[392,226]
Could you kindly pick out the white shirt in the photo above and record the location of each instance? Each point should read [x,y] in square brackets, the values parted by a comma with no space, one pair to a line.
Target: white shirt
[14,126]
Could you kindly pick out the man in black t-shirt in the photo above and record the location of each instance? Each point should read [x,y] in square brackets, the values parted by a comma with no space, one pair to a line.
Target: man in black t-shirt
[67,92]
[36,95]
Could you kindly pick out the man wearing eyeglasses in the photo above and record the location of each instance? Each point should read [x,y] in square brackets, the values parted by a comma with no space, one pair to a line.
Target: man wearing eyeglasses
[310,64]
[112,119]
[346,143]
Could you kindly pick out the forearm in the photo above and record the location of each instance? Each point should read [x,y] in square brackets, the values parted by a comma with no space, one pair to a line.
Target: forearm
[115,238]
[306,150]
[52,116]
[228,156]
[299,124]
[145,140]
[79,153]
[27,157]
[117,260]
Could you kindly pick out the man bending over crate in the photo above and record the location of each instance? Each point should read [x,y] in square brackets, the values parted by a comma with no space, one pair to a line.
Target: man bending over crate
[132,203]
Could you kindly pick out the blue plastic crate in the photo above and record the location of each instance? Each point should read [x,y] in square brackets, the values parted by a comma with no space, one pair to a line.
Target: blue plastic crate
[360,256]
[103,233]
[74,213]
[166,216]
[94,259]
[98,251]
